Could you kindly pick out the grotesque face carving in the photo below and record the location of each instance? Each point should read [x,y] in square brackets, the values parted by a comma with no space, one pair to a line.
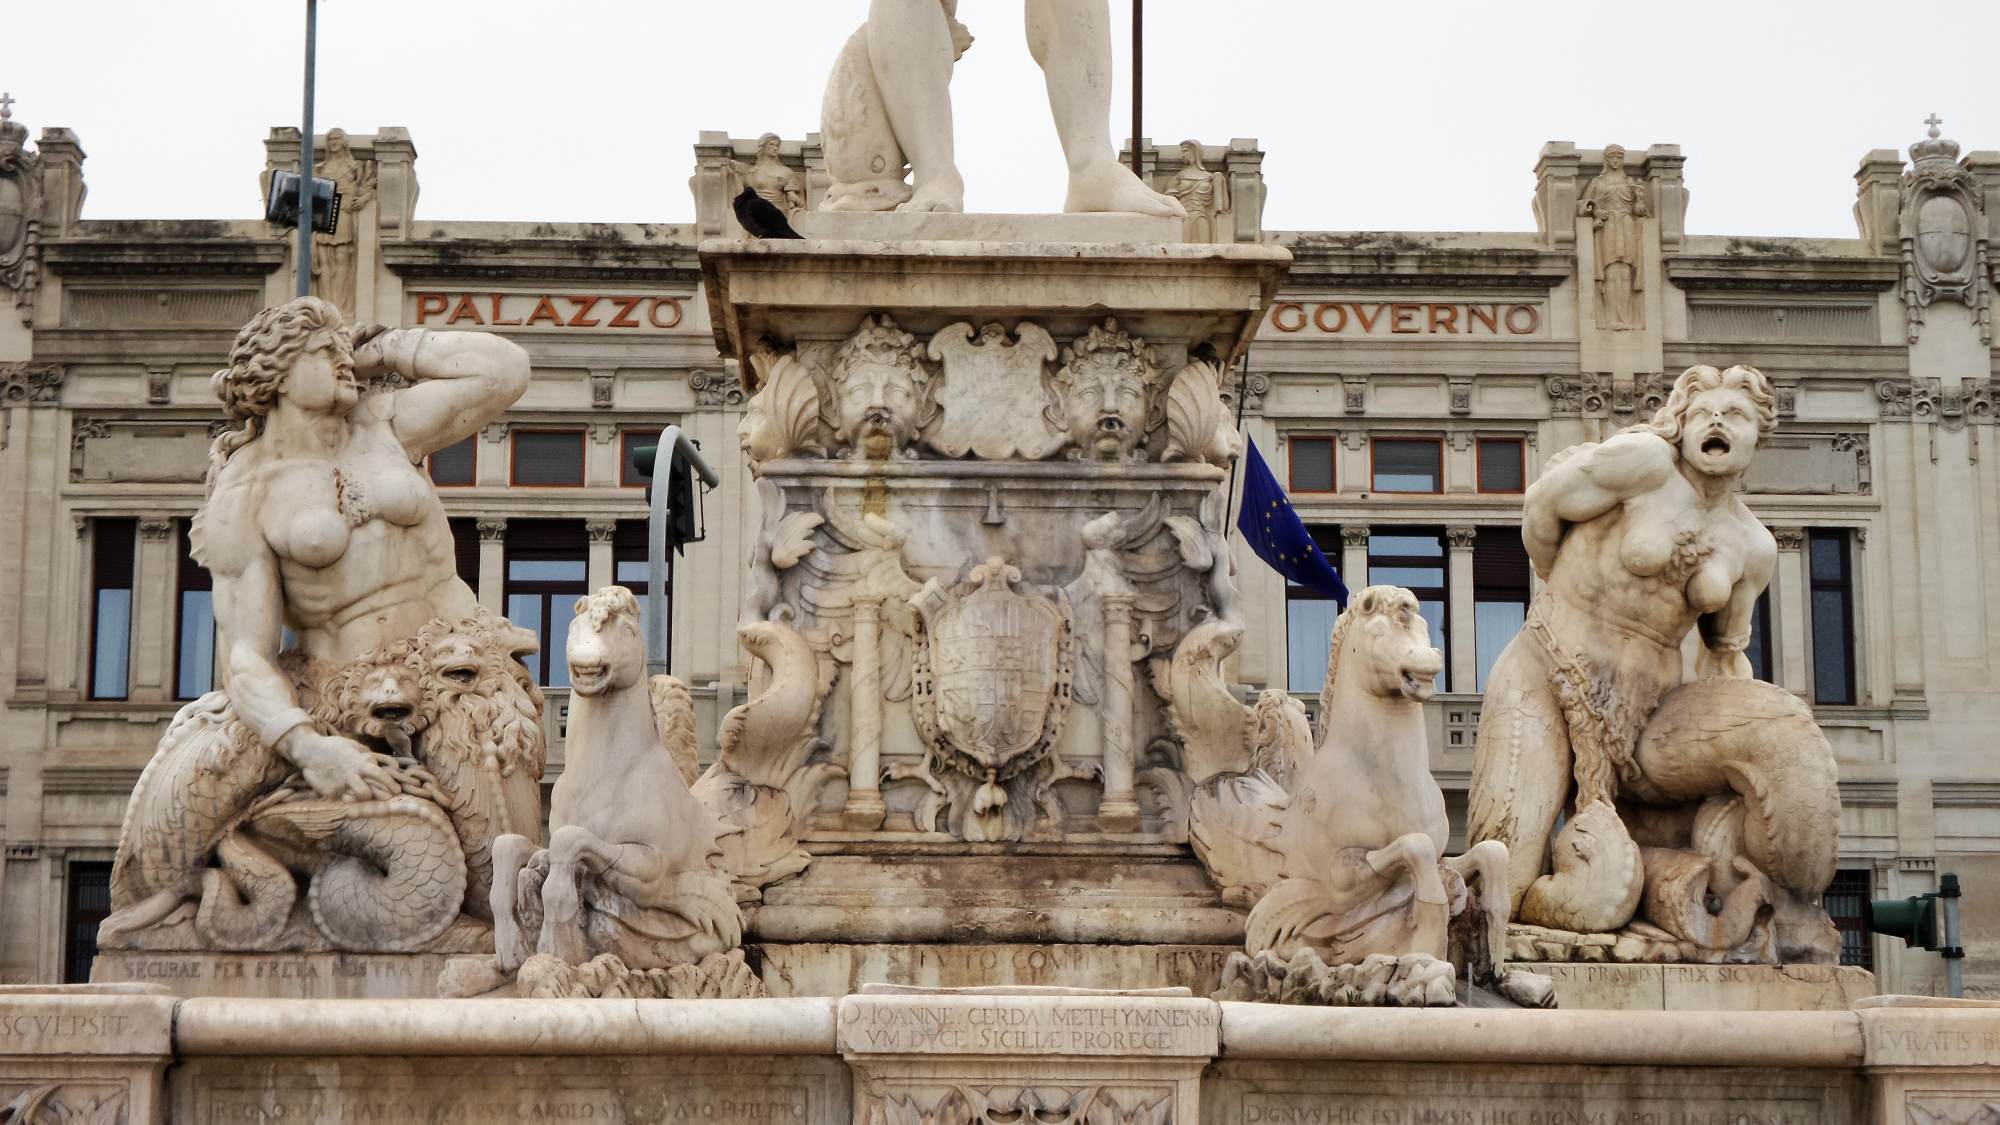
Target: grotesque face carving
[881,391]
[1100,394]
[1719,432]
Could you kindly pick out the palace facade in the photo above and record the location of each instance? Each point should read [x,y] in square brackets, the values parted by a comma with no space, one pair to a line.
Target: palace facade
[1406,387]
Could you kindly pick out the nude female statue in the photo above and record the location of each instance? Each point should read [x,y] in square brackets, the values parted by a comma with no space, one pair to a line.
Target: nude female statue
[1639,539]
[910,49]
[320,519]
[334,255]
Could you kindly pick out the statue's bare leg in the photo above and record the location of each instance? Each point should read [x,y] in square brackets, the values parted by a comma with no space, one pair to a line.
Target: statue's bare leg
[1484,868]
[1414,856]
[1521,771]
[510,854]
[1071,39]
[910,51]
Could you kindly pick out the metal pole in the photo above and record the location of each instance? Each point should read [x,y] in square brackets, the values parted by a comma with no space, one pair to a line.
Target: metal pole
[1138,81]
[306,161]
[1954,953]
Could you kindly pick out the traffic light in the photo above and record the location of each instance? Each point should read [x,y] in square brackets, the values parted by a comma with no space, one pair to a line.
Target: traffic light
[282,205]
[1925,921]
[683,509]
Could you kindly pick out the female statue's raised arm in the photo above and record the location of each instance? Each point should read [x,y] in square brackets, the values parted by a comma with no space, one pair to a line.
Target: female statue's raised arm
[463,379]
[1589,482]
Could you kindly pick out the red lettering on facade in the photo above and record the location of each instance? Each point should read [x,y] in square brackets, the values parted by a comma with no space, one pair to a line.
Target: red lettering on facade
[464,310]
[625,307]
[496,312]
[1319,318]
[1489,316]
[1443,318]
[1401,314]
[545,309]
[583,305]
[1297,311]
[429,305]
[653,311]
[1534,316]
[1368,322]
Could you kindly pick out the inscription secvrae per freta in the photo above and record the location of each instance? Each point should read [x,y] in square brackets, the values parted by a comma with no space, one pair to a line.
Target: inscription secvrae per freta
[1029,1025]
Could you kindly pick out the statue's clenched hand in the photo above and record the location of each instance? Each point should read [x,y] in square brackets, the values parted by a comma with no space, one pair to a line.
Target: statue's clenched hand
[338,768]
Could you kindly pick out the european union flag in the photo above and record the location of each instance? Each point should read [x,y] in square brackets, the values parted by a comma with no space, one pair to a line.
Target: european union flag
[1274,531]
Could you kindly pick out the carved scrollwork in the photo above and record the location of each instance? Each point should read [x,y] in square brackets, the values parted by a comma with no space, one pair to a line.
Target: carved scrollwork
[716,388]
[31,383]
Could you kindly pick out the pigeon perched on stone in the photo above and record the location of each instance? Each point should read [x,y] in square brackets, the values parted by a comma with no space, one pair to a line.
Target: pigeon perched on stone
[760,218]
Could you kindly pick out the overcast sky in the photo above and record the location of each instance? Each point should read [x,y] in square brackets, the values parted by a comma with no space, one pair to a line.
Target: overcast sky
[1376,116]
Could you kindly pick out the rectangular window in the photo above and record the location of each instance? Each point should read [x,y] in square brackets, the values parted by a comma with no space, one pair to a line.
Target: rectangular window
[1832,616]
[1311,461]
[1309,621]
[548,458]
[88,903]
[548,569]
[1501,465]
[465,551]
[1499,594]
[456,466]
[1408,464]
[112,554]
[1846,903]
[629,440]
[1759,649]
[1413,558]
[194,625]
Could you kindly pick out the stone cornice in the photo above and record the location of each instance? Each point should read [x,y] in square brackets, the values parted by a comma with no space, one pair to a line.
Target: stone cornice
[163,257]
[1777,273]
[1389,261]
[538,261]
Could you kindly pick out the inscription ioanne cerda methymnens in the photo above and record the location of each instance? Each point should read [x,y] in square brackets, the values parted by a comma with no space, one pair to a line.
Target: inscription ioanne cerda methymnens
[1053,1025]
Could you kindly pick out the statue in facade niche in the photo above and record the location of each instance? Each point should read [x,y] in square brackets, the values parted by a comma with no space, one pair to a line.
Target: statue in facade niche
[888,102]
[1338,847]
[20,212]
[1615,203]
[1710,809]
[336,256]
[1202,193]
[375,761]
[771,178]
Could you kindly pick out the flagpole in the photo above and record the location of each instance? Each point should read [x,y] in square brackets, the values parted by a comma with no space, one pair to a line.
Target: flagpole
[1138,72]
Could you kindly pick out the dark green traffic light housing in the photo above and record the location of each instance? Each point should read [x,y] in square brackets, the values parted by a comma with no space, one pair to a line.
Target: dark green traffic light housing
[673,519]
[1913,919]
[683,524]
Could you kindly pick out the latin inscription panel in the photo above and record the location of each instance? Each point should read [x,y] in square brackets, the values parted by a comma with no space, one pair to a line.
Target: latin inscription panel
[1062,1025]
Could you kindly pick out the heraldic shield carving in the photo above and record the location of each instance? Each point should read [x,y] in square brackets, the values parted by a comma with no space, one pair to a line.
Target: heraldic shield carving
[991,688]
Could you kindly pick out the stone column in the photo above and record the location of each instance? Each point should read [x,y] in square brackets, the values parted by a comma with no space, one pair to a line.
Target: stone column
[493,564]
[1790,603]
[1459,617]
[1119,809]
[1354,557]
[152,610]
[864,809]
[601,570]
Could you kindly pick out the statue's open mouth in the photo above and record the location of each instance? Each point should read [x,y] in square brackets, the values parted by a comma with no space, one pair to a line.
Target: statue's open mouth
[1419,687]
[1715,443]
[1110,425]
[587,679]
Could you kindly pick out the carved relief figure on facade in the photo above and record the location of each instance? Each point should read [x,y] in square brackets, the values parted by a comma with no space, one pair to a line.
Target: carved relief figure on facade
[1640,539]
[888,100]
[1943,235]
[20,212]
[1102,394]
[1615,204]
[1344,859]
[1203,194]
[632,879]
[774,181]
[336,256]
[317,520]
[879,394]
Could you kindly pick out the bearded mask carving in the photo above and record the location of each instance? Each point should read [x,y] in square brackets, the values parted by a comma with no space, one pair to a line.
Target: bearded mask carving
[879,395]
[1101,395]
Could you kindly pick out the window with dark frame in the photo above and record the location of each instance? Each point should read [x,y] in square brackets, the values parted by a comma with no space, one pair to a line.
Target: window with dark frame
[87,902]
[548,569]
[113,547]
[1311,461]
[456,465]
[1758,651]
[1309,617]
[1499,594]
[194,622]
[1414,558]
[465,551]
[1832,589]
[1407,464]
[1502,465]
[629,477]
[548,458]
[1846,902]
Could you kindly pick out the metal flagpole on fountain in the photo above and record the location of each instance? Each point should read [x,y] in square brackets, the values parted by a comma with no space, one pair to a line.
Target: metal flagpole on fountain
[1138,82]
[304,286]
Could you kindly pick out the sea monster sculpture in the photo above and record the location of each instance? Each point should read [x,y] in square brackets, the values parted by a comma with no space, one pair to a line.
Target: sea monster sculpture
[1354,899]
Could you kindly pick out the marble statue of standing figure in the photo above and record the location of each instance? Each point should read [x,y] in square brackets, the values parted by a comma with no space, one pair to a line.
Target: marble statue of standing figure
[889,101]
[1202,193]
[1615,203]
[335,262]
[1638,539]
[780,186]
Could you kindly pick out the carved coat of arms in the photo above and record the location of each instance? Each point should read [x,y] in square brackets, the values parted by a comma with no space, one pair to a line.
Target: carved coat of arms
[991,687]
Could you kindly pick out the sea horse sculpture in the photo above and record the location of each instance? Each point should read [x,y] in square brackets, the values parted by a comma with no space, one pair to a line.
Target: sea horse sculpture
[1345,862]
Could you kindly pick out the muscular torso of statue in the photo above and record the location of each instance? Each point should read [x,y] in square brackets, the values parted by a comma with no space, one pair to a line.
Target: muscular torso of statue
[362,543]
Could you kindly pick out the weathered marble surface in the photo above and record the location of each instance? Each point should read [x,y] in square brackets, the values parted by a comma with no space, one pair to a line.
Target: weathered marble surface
[941,226]
[84,1053]
[835,969]
[1719,988]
